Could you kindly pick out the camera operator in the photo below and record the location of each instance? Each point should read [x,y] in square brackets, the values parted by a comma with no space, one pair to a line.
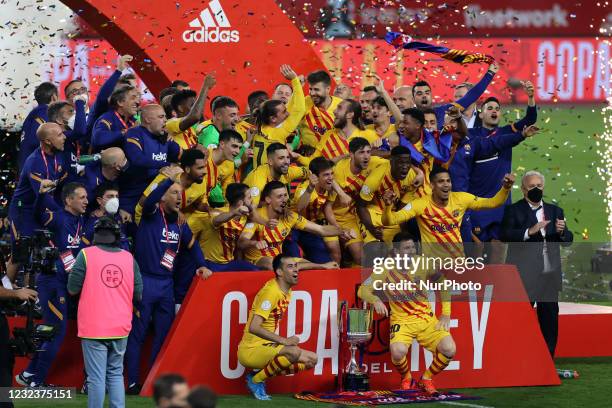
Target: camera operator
[7,358]
[68,227]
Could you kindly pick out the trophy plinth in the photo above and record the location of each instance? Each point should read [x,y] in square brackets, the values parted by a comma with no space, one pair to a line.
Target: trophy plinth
[359,325]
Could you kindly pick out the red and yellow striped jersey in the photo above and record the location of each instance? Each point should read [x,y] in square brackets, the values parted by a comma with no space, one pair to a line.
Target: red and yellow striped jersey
[187,138]
[440,226]
[270,303]
[406,305]
[314,211]
[218,244]
[351,183]
[218,174]
[317,121]
[381,180]
[273,237]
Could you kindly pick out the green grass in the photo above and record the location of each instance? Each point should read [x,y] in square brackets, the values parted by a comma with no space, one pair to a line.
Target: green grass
[566,153]
[590,390]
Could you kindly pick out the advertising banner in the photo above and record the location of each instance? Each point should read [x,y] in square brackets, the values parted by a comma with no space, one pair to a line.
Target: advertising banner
[490,353]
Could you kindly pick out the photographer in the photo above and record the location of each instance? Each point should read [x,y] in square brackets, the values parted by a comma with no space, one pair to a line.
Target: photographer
[68,227]
[7,358]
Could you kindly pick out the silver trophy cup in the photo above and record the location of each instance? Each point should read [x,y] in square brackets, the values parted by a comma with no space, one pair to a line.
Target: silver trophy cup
[359,331]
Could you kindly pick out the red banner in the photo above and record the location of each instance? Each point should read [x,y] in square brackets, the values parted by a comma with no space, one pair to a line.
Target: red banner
[563,70]
[203,342]
[456,18]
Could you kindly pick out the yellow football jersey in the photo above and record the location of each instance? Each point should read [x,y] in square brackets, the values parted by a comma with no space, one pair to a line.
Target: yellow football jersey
[317,121]
[222,174]
[352,183]
[273,237]
[269,134]
[187,138]
[191,198]
[218,244]
[258,178]
[381,180]
[407,304]
[441,225]
[387,133]
[271,304]
[314,210]
[243,127]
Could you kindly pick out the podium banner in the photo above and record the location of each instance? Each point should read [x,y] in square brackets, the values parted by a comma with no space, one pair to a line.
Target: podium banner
[498,343]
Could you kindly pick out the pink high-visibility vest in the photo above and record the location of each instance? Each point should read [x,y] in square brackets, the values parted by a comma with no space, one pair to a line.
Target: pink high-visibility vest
[105,307]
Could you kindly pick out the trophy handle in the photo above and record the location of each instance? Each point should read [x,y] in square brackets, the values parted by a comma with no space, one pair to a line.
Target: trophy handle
[342,327]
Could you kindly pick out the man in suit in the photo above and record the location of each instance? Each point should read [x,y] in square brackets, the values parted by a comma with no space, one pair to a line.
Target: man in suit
[537,229]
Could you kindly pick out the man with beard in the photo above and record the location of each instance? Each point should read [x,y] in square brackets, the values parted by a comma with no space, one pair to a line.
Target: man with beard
[68,227]
[320,106]
[261,348]
[350,173]
[189,108]
[423,98]
[277,169]
[160,237]
[190,175]
[262,243]
[225,116]
[484,171]
[366,98]
[394,175]
[111,127]
[439,215]
[220,166]
[347,125]
[147,149]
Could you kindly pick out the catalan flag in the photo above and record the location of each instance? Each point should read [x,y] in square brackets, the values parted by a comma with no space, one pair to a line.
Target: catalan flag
[399,40]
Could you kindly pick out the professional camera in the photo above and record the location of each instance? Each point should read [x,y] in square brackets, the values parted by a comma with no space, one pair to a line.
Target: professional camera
[37,255]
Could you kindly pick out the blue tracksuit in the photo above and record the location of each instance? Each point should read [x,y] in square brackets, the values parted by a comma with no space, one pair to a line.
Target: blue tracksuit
[68,236]
[100,105]
[38,166]
[110,130]
[76,139]
[487,173]
[146,154]
[474,147]
[29,142]
[158,240]
[469,98]
[92,178]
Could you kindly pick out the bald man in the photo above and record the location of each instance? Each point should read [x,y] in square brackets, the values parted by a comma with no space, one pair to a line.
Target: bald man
[147,149]
[108,169]
[403,97]
[46,162]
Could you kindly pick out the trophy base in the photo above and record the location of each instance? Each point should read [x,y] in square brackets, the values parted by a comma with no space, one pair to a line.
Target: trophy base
[356,382]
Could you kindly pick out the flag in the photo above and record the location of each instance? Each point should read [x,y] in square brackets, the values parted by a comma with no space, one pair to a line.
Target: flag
[399,40]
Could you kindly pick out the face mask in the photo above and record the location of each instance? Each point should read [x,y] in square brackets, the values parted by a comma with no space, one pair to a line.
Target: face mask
[112,206]
[535,195]
[71,120]
[125,166]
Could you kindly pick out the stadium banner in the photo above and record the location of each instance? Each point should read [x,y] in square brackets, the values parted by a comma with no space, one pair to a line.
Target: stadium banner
[570,70]
[202,344]
[188,39]
[433,18]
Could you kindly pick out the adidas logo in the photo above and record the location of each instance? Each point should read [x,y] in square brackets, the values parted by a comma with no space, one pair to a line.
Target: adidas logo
[211,26]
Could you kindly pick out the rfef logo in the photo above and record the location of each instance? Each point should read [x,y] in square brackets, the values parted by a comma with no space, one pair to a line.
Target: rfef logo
[211,26]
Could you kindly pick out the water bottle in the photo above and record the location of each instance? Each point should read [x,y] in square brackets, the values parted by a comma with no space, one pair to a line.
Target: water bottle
[567,373]
[89,158]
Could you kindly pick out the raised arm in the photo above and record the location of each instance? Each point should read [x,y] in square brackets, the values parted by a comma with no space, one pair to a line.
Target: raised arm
[480,203]
[195,114]
[473,94]
[149,204]
[531,115]
[393,108]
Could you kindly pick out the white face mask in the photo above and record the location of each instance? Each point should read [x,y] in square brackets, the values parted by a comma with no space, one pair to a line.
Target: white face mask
[71,120]
[112,206]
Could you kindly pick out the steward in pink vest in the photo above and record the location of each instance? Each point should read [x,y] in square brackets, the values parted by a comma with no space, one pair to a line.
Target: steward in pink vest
[108,279]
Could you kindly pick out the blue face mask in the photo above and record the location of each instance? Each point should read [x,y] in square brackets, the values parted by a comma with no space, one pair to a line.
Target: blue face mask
[125,166]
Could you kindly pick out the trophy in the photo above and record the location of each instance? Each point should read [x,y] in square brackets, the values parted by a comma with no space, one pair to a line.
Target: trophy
[358,331]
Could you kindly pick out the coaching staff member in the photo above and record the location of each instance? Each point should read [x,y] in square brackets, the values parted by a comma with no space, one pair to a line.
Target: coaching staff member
[537,230]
